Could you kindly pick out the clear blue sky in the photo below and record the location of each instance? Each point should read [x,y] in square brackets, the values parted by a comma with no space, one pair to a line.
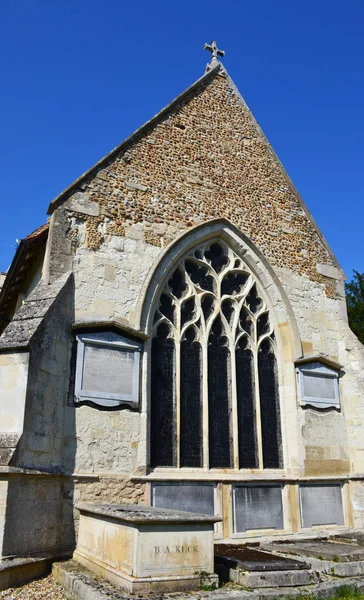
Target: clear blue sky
[79,76]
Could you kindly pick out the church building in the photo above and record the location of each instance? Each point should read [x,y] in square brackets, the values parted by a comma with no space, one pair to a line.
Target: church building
[176,336]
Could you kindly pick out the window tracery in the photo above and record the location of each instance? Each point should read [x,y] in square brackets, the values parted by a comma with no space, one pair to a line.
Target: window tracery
[214,390]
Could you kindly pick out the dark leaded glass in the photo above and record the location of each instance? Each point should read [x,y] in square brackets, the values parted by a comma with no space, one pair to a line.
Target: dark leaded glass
[269,407]
[187,311]
[228,310]
[253,300]
[248,458]
[177,284]
[233,283]
[191,406]
[207,305]
[199,275]
[263,325]
[217,257]
[166,307]
[163,452]
[220,443]
[245,321]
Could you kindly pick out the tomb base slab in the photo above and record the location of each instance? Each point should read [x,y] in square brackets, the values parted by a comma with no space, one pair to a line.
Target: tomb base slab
[271,579]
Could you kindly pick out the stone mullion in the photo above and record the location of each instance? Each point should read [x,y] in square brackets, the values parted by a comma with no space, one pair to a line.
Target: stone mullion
[257,398]
[205,331]
[234,408]
[230,334]
[178,384]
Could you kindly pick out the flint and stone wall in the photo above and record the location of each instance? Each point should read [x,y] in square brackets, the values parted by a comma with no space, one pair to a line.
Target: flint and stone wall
[207,159]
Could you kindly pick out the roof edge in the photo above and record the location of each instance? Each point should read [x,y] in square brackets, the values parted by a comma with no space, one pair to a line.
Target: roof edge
[24,243]
[56,202]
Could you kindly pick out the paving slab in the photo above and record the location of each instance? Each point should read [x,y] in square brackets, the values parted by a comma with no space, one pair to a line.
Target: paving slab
[323,550]
[333,558]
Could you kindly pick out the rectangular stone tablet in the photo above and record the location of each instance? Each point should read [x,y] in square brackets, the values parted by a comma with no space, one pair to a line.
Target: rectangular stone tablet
[257,507]
[108,370]
[189,497]
[321,504]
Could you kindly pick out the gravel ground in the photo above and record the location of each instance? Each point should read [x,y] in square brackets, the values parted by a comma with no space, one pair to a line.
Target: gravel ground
[41,589]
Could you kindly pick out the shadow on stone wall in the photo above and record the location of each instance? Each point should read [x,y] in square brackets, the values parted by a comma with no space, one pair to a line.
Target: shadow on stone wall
[39,514]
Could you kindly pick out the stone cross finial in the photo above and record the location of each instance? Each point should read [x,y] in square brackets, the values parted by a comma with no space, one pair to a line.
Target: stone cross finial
[215,51]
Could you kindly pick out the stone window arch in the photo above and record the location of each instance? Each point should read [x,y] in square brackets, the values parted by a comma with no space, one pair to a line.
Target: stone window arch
[214,384]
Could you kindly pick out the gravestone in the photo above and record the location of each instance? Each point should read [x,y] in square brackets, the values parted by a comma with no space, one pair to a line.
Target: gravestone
[257,507]
[144,549]
[321,505]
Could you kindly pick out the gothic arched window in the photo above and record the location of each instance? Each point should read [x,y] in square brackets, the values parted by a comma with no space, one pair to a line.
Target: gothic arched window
[214,386]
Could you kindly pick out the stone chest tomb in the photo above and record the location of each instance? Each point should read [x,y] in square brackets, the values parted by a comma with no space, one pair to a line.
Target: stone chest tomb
[146,550]
[175,336]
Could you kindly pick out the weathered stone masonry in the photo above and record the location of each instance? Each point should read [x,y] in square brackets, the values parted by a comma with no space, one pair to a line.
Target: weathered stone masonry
[207,159]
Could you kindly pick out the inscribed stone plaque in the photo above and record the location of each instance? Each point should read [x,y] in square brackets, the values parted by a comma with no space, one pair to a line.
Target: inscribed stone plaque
[189,497]
[257,507]
[318,386]
[108,370]
[321,505]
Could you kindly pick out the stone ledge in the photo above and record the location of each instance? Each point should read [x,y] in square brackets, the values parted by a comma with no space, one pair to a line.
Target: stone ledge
[121,324]
[238,477]
[16,571]
[136,513]
[271,579]
[19,571]
[7,470]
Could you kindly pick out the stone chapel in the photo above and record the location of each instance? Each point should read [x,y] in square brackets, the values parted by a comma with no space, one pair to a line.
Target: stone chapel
[176,335]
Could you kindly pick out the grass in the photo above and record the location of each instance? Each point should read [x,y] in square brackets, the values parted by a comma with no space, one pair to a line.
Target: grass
[344,593]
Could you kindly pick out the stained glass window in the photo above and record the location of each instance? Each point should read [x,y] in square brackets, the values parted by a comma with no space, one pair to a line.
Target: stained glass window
[214,384]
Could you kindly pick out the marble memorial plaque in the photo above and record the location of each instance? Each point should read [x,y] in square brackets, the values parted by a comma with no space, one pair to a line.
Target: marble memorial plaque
[257,507]
[321,505]
[108,370]
[188,497]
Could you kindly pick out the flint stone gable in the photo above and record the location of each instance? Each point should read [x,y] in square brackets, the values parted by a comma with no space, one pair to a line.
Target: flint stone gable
[203,157]
[128,256]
